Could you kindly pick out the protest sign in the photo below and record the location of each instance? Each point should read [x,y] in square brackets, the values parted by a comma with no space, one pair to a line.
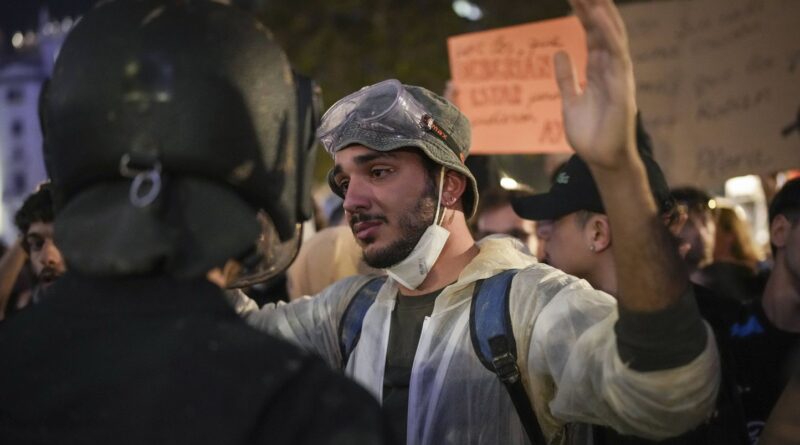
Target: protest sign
[504,82]
[718,83]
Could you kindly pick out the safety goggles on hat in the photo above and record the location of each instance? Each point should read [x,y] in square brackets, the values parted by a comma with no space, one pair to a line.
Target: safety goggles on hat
[384,108]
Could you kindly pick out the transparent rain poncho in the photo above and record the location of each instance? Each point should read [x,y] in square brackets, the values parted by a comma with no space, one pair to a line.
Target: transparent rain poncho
[567,355]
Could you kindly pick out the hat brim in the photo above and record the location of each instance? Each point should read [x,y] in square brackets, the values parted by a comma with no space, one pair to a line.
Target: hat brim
[544,206]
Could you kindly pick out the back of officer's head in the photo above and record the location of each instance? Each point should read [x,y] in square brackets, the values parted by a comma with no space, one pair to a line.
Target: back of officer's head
[168,125]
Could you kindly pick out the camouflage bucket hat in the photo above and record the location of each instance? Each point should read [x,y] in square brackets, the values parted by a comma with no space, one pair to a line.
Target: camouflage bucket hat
[389,115]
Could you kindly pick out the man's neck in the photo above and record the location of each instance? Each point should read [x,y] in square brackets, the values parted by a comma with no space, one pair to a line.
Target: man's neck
[459,251]
[781,299]
[603,276]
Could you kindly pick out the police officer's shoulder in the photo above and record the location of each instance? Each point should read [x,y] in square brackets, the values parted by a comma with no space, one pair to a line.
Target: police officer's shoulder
[322,407]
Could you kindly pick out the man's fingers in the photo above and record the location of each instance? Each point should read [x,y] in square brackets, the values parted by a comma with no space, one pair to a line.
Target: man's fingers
[581,10]
[613,13]
[612,37]
[603,24]
[565,76]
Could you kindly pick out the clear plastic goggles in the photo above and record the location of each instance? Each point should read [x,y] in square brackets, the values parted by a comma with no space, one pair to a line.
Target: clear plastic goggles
[384,108]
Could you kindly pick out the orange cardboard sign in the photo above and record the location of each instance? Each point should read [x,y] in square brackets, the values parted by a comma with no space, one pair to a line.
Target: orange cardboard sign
[504,81]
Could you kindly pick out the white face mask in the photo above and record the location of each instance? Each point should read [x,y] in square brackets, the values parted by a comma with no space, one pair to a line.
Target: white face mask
[411,272]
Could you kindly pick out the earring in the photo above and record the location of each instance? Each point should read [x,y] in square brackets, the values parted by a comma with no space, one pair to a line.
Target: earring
[591,247]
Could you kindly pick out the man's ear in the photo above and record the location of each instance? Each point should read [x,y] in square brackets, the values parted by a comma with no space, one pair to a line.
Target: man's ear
[779,231]
[454,186]
[599,232]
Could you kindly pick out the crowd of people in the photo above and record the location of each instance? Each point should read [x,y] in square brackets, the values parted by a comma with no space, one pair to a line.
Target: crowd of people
[610,309]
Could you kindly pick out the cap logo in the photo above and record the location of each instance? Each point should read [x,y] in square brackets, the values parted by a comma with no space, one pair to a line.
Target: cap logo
[429,124]
[562,178]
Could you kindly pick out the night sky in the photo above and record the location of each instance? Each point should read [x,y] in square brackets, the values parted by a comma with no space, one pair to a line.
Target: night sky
[23,15]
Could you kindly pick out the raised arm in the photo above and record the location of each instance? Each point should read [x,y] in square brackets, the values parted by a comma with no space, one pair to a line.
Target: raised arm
[599,122]
[10,266]
[658,372]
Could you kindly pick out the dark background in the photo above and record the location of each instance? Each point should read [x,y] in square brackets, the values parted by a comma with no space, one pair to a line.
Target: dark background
[346,44]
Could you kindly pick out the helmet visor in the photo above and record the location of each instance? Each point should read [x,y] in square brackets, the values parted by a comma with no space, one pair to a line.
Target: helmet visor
[271,256]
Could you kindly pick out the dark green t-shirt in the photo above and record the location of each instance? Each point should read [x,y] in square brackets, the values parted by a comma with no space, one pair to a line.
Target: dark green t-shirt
[404,332]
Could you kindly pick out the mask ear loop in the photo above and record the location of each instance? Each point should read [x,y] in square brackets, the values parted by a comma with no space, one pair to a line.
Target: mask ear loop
[436,219]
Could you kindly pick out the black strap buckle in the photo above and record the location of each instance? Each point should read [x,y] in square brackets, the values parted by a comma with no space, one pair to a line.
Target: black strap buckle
[505,364]
[506,367]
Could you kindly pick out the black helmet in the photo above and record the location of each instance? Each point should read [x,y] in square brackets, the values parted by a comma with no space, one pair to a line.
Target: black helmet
[168,125]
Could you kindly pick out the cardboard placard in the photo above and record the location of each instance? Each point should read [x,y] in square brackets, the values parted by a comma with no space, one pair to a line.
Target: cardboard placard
[505,84]
[718,83]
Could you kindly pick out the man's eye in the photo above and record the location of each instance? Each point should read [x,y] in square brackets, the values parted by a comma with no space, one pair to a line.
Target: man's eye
[380,172]
[343,185]
[35,244]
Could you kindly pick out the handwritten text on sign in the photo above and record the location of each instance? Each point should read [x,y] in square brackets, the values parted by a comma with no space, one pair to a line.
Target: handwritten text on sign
[718,81]
[505,83]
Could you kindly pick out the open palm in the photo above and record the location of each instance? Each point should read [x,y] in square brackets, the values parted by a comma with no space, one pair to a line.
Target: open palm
[599,120]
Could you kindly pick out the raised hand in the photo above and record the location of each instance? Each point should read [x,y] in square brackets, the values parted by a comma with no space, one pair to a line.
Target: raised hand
[600,119]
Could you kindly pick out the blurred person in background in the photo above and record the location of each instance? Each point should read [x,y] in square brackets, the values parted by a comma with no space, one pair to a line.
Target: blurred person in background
[495,216]
[34,220]
[699,232]
[735,271]
[769,329]
[328,256]
[733,242]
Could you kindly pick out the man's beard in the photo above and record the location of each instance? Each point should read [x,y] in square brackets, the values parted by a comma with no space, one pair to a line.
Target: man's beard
[413,225]
[47,276]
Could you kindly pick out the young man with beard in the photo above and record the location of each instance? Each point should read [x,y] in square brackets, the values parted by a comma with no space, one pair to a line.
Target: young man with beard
[582,357]
[35,223]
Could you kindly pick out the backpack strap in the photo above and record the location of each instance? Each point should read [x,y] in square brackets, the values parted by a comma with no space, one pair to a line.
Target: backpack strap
[353,316]
[493,342]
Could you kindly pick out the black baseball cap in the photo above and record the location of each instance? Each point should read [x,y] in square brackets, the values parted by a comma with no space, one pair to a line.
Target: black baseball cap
[574,187]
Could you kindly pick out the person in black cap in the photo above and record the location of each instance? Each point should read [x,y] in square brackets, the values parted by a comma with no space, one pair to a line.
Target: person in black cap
[572,220]
[579,240]
[171,129]
[577,356]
